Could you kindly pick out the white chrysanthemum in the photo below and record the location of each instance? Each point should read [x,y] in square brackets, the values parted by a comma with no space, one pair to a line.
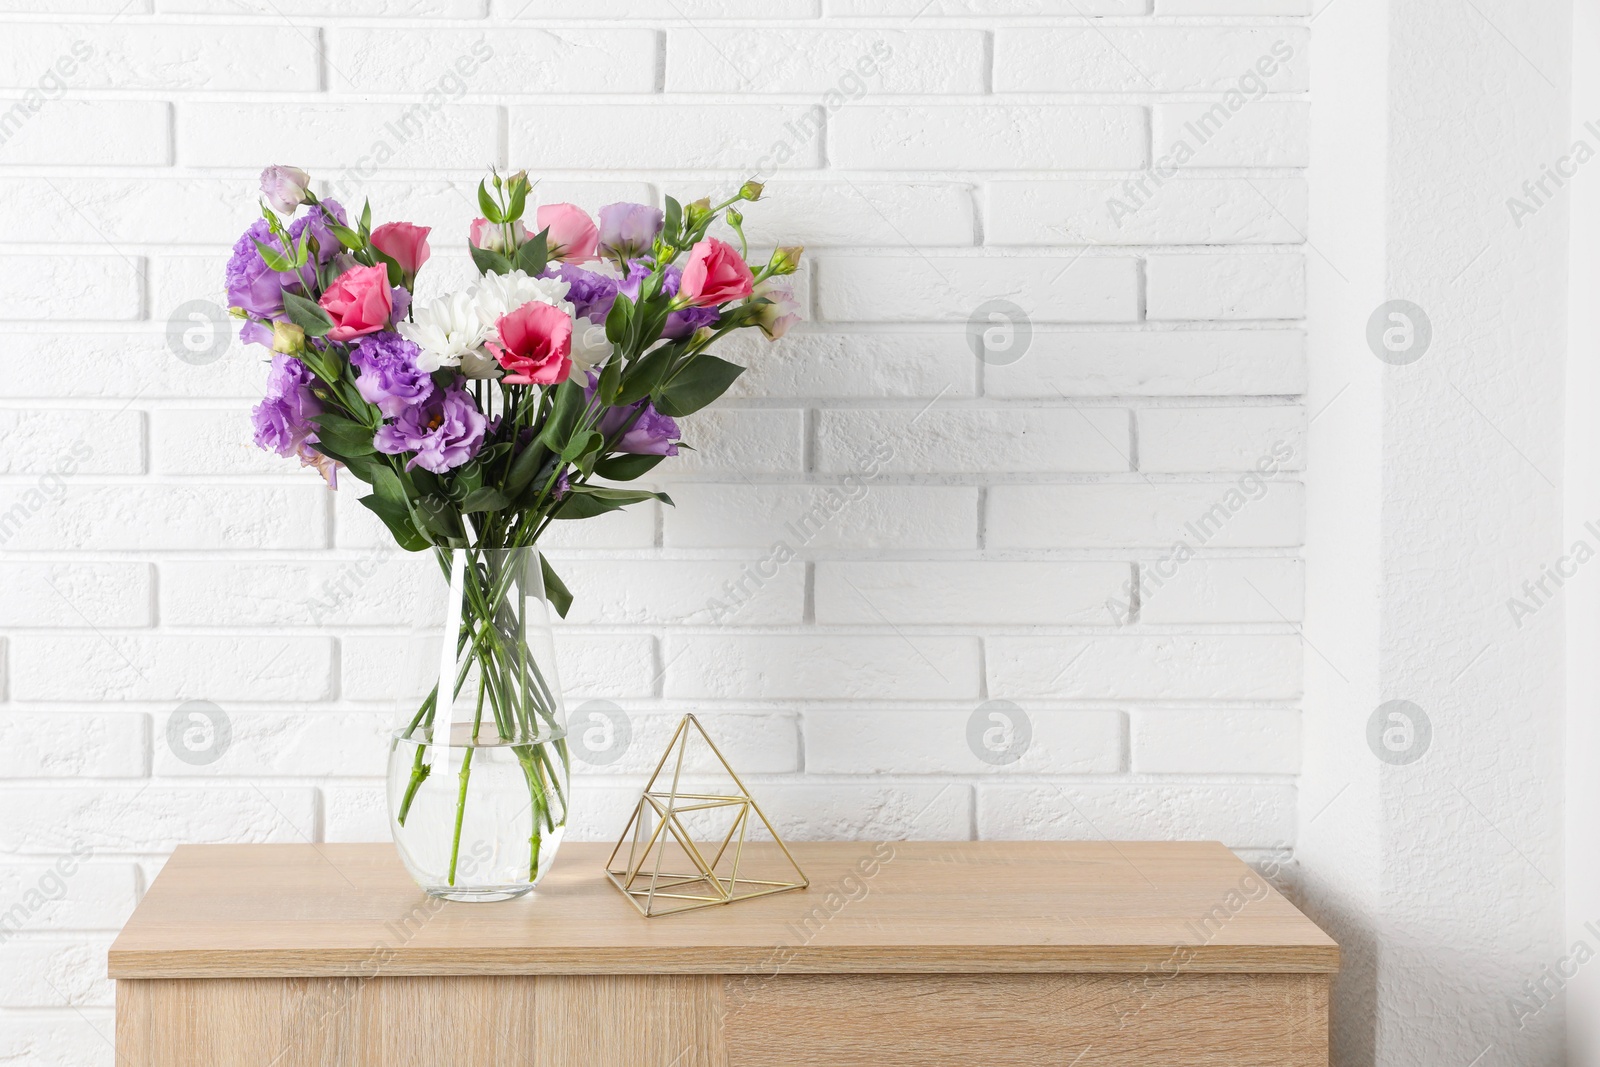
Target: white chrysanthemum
[446,330]
[590,348]
[499,294]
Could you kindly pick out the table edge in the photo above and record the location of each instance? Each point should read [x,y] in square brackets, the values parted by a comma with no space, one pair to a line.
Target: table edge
[1321,955]
[230,963]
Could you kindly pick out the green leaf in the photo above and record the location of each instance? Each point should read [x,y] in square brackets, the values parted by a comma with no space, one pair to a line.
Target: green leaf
[274,259]
[587,501]
[306,314]
[494,453]
[564,415]
[644,375]
[555,590]
[582,446]
[440,517]
[366,216]
[696,384]
[625,468]
[524,467]
[518,200]
[466,480]
[534,255]
[398,522]
[425,483]
[489,262]
[396,275]
[673,217]
[343,435]
[485,499]
[486,204]
[610,382]
[351,396]
[617,319]
[322,364]
[365,468]
[388,486]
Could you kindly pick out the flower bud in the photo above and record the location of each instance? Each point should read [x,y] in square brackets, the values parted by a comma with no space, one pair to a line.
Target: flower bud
[780,310]
[239,313]
[697,212]
[735,218]
[287,338]
[284,188]
[490,237]
[343,263]
[702,336]
[786,260]
[751,190]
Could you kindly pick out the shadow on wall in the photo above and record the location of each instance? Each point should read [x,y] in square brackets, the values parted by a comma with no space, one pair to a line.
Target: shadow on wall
[1353,1012]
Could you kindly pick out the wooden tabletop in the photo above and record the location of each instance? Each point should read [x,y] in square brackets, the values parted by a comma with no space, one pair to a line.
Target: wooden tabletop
[889,907]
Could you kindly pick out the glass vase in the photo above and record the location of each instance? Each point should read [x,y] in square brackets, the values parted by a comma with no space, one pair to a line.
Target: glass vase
[478,781]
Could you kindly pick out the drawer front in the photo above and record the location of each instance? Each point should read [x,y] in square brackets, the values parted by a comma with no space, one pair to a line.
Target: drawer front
[1157,1019]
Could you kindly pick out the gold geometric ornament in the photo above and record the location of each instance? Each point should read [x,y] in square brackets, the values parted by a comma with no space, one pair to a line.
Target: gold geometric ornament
[687,850]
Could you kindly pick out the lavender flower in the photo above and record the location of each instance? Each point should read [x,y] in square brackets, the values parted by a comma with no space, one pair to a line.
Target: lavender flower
[390,377]
[284,187]
[316,220]
[628,230]
[680,324]
[591,294]
[258,290]
[652,433]
[445,431]
[282,420]
[251,286]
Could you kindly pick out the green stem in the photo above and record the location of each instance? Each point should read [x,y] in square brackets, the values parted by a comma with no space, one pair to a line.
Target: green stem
[461,796]
[511,686]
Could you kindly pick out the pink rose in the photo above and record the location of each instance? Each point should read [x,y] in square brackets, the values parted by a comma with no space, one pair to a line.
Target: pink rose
[359,302]
[404,243]
[573,235]
[535,345]
[714,274]
[491,238]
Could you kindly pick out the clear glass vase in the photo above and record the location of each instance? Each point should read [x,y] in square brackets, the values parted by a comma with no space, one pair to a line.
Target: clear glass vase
[478,782]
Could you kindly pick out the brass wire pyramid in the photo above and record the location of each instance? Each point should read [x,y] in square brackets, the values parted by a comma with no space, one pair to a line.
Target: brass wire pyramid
[658,829]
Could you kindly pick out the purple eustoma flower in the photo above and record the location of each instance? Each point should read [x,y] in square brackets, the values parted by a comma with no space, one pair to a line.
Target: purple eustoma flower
[680,324]
[652,433]
[445,431]
[390,377]
[591,294]
[251,286]
[628,230]
[284,187]
[282,420]
[316,219]
[257,289]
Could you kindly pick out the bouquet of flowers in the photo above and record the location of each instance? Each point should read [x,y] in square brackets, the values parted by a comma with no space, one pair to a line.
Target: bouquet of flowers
[481,416]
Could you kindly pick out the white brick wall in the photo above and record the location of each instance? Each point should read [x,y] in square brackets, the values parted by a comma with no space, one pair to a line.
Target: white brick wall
[962,531]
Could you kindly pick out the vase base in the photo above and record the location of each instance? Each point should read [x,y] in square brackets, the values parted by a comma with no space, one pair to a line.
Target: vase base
[483,895]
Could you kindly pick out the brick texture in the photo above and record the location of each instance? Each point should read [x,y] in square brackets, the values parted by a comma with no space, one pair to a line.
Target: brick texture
[1031,468]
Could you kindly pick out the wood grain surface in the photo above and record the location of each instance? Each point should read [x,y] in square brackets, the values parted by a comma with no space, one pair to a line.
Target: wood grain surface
[1032,1020]
[510,1021]
[1021,1020]
[351,912]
